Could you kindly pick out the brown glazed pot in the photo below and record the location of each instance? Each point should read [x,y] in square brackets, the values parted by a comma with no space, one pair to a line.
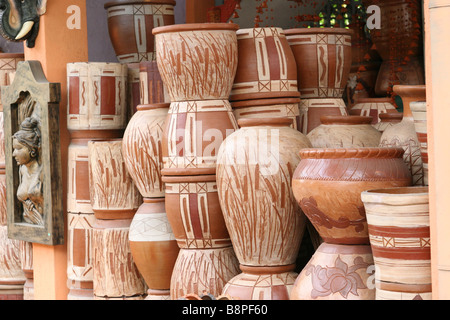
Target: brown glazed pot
[399,43]
[254,171]
[404,133]
[372,107]
[197,61]
[130,24]
[266,65]
[142,148]
[344,132]
[194,212]
[324,57]
[337,272]
[153,246]
[328,184]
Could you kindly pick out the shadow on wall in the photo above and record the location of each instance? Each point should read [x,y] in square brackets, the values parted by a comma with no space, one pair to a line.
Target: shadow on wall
[99,43]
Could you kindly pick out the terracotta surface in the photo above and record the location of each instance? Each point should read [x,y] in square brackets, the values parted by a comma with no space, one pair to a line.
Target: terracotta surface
[151,88]
[372,107]
[254,171]
[133,88]
[130,25]
[404,133]
[399,231]
[387,120]
[419,112]
[207,270]
[312,109]
[328,183]
[142,148]
[323,57]
[112,191]
[153,247]
[344,132]
[266,65]
[97,95]
[194,212]
[337,272]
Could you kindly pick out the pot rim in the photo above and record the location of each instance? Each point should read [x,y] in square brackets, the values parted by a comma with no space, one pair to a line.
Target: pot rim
[125,2]
[351,153]
[264,122]
[295,31]
[397,195]
[186,27]
[193,178]
[152,106]
[346,120]
[404,90]
[264,102]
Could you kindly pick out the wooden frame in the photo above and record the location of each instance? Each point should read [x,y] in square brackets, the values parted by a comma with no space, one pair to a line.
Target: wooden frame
[32,96]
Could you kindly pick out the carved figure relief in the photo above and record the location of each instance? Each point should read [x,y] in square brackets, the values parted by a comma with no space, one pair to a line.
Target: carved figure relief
[19,19]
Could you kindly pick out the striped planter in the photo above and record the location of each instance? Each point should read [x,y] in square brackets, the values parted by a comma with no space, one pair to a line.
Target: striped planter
[266,65]
[399,232]
[419,112]
[130,25]
[372,107]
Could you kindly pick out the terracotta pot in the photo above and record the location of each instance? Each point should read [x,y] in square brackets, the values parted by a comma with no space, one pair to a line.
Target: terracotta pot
[153,247]
[404,133]
[270,283]
[419,112]
[142,149]
[152,89]
[399,230]
[362,80]
[97,96]
[323,57]
[266,108]
[312,109]
[266,65]
[197,61]
[194,212]
[112,191]
[203,270]
[328,183]
[399,43]
[26,261]
[387,120]
[254,170]
[344,132]
[130,25]
[373,107]
[192,135]
[115,273]
[337,272]
[133,89]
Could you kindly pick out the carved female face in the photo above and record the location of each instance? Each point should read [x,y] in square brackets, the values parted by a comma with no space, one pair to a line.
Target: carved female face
[21,153]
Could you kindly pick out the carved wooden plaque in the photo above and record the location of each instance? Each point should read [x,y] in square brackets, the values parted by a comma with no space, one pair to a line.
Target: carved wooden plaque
[33,156]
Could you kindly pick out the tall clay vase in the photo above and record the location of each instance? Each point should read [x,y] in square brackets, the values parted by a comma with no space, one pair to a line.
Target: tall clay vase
[323,57]
[130,25]
[266,66]
[399,230]
[152,242]
[399,43]
[254,172]
[404,133]
[344,132]
[419,112]
[328,183]
[197,63]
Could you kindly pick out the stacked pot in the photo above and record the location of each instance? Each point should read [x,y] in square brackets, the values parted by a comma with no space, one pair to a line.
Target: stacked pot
[265,85]
[197,63]
[323,57]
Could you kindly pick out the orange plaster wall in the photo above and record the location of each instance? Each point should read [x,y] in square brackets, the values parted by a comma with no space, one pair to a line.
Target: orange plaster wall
[56,46]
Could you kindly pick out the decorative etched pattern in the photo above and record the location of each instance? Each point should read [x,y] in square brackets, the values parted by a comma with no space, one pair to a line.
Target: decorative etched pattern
[97,95]
[312,109]
[373,108]
[207,270]
[142,150]
[11,273]
[152,88]
[78,197]
[151,227]
[142,18]
[419,112]
[197,64]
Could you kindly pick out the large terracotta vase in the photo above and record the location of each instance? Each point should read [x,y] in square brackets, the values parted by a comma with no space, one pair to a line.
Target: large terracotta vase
[323,57]
[419,112]
[344,132]
[399,43]
[254,172]
[130,25]
[372,107]
[399,230]
[197,63]
[337,272]
[404,133]
[266,65]
[328,183]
